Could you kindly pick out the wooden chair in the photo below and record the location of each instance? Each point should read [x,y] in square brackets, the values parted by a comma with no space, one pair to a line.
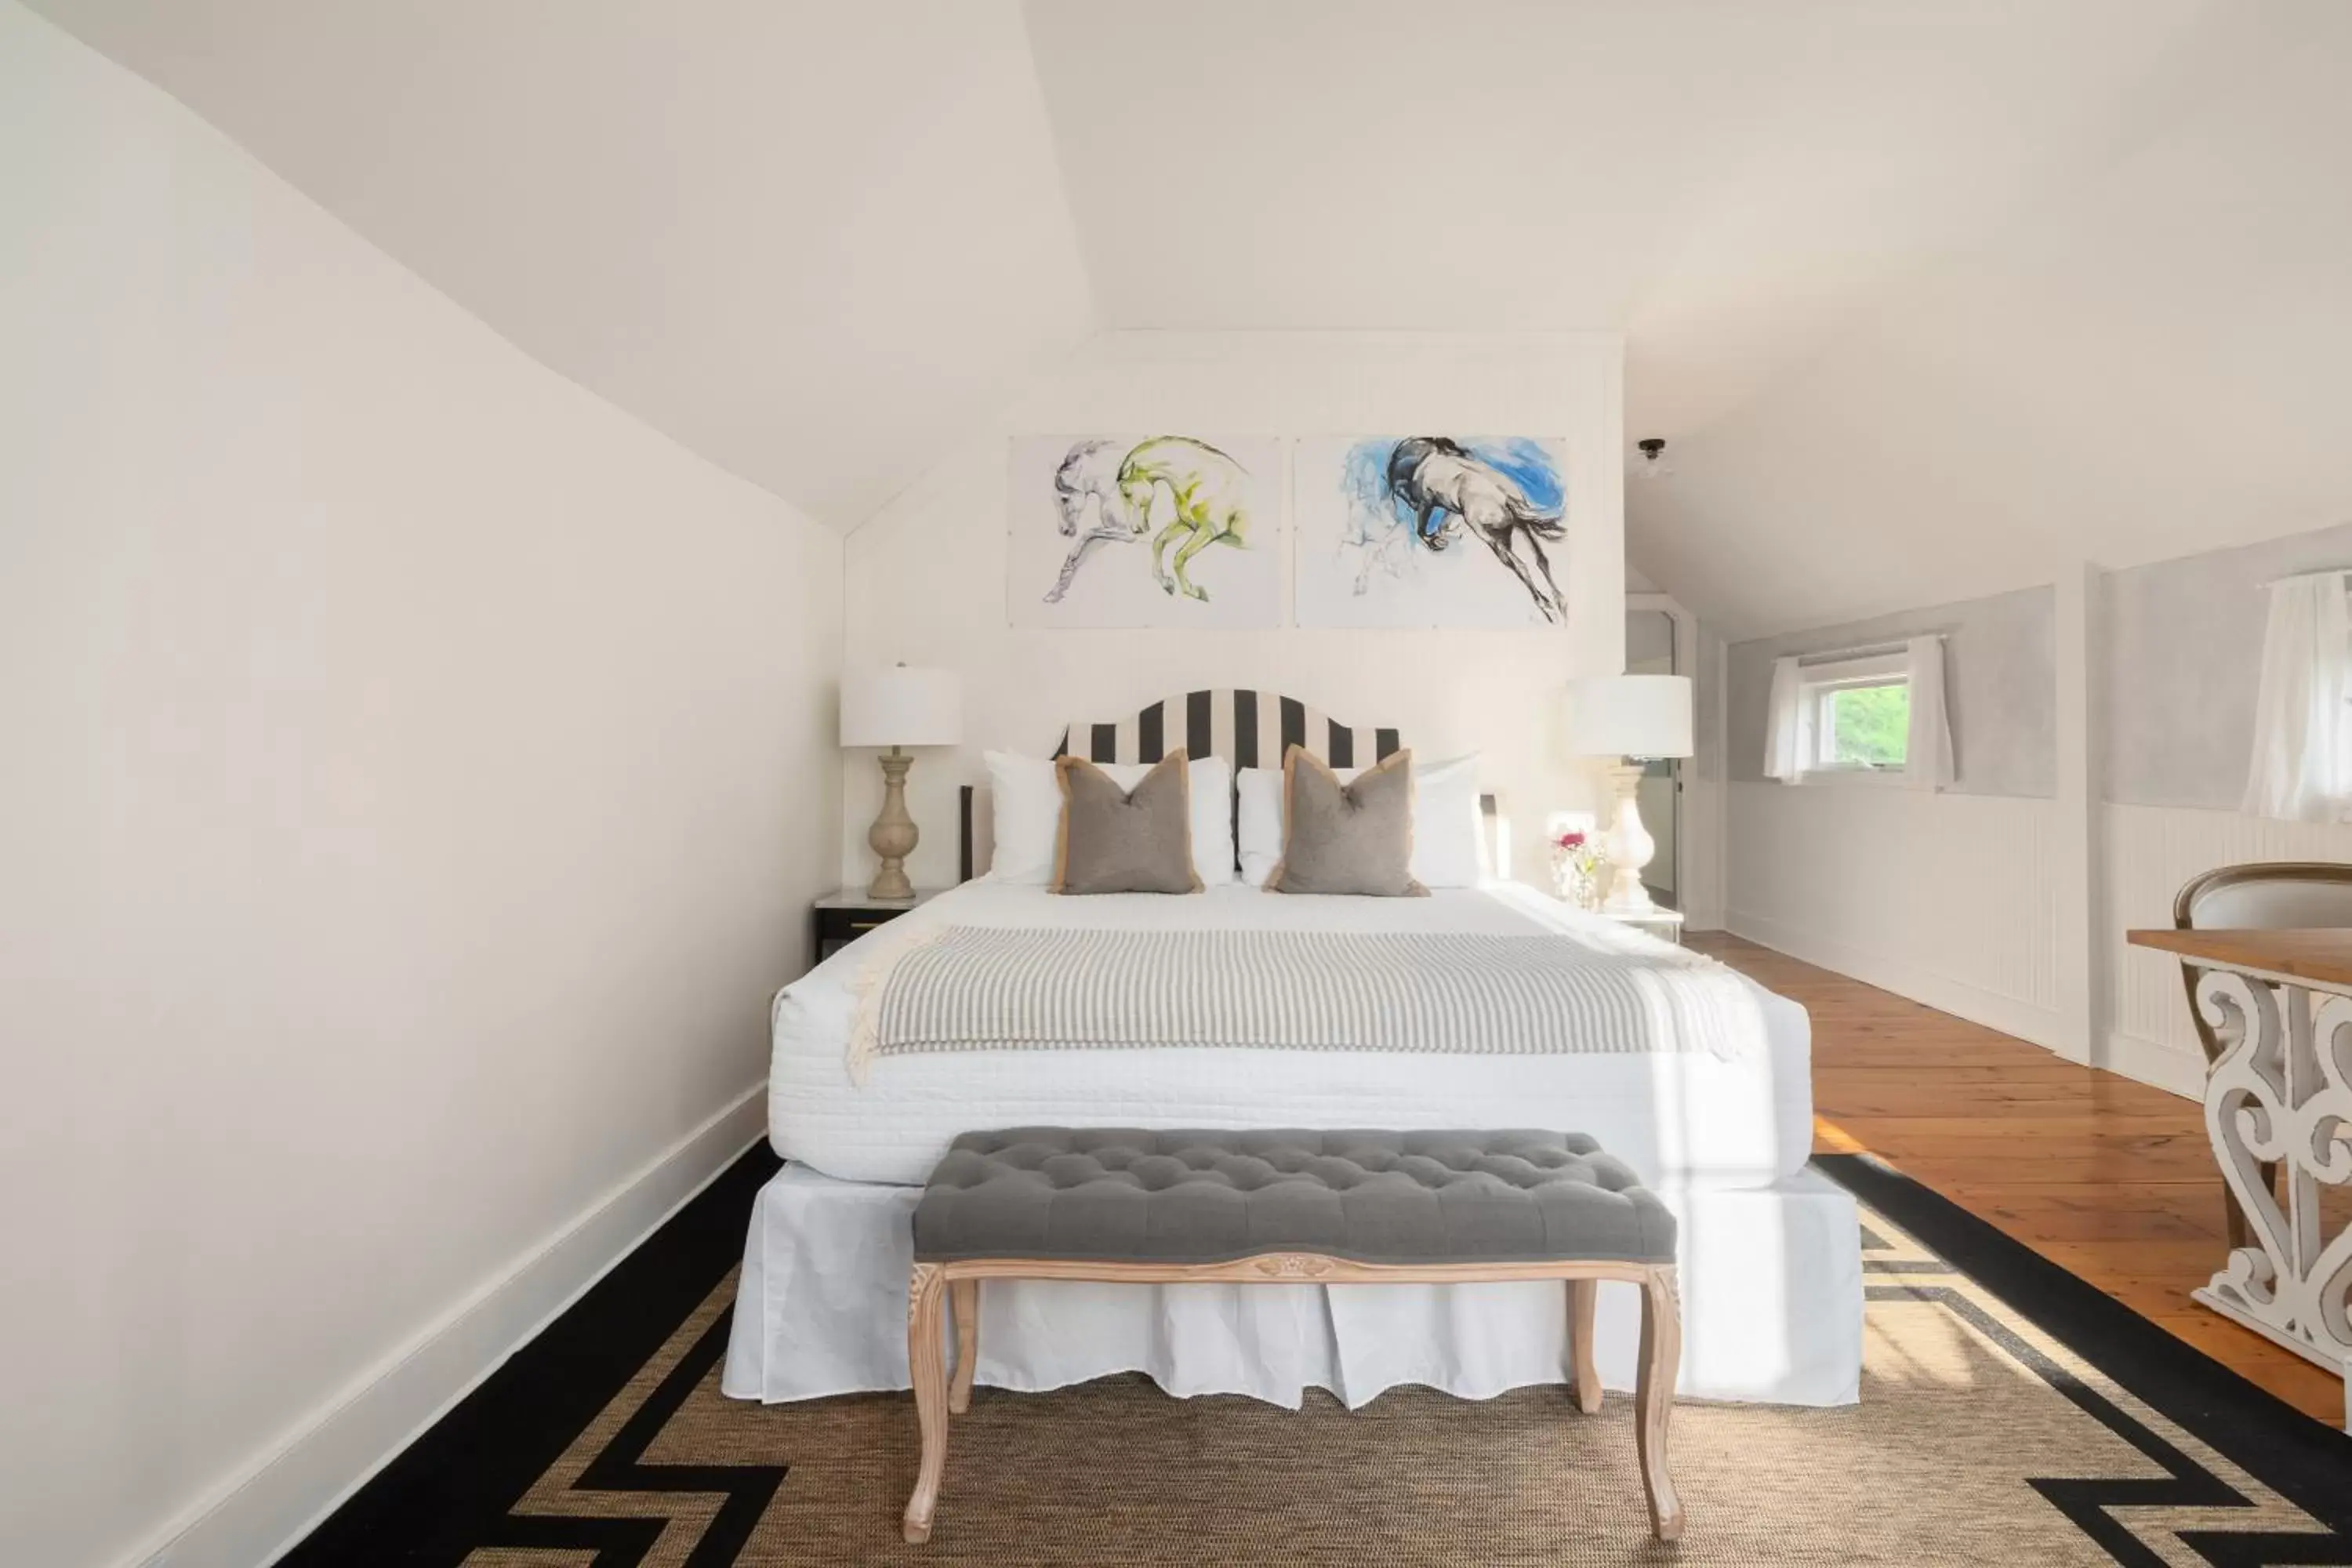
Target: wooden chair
[2275,895]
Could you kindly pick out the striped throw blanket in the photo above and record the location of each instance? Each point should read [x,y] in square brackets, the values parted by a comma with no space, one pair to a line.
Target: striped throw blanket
[973,988]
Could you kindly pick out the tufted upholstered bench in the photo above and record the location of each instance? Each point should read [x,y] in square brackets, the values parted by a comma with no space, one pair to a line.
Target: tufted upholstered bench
[1121,1205]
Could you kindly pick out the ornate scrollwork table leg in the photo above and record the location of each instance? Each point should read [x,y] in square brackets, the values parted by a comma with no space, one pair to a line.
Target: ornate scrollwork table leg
[2282,1092]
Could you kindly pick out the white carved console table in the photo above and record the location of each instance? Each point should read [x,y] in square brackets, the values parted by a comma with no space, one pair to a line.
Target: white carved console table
[2281,1092]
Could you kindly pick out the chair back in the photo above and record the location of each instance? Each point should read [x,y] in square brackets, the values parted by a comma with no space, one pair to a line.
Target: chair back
[2268,896]
[2271,895]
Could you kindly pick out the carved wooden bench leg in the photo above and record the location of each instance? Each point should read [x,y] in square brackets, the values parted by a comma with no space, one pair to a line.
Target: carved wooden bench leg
[963,1298]
[1583,1305]
[926,1362]
[1662,1353]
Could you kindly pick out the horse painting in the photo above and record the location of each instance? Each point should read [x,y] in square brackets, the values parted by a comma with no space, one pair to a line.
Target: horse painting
[1419,494]
[1119,485]
[1449,488]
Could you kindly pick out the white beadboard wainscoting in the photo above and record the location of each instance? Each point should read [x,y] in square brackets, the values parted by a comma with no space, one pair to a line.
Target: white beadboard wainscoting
[2152,850]
[1950,900]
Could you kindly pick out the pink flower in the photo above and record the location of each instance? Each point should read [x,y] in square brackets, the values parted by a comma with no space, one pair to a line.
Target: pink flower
[1570,840]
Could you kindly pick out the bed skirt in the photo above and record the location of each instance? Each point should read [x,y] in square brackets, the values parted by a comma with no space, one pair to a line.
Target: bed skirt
[1771,1282]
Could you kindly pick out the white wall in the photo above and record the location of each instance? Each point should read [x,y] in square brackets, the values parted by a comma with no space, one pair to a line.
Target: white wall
[413,775]
[2013,911]
[927,575]
[1957,898]
[1947,899]
[1959,901]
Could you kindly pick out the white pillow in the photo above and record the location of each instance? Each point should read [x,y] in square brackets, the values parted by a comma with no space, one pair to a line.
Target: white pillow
[1028,806]
[1261,824]
[1444,822]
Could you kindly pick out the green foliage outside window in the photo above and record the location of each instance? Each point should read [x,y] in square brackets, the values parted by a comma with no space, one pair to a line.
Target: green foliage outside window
[1870,725]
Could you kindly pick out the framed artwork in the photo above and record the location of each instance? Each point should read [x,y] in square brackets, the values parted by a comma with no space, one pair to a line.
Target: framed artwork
[1430,530]
[1149,529]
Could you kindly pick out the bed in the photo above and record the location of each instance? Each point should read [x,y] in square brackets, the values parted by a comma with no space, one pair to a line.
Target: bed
[1771,1263]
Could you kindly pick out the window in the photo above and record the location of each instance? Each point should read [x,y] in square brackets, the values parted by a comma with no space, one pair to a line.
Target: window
[1876,713]
[2302,769]
[1857,714]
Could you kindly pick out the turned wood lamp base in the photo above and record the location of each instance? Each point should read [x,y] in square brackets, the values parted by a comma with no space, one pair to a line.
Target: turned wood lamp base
[894,835]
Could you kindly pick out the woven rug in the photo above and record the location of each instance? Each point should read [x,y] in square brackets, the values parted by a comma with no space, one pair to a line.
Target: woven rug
[1981,1437]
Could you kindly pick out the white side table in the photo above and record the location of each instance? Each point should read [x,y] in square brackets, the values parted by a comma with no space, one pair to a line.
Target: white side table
[1660,922]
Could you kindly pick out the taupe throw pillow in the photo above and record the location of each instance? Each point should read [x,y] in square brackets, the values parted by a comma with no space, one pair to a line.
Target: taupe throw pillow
[1125,841]
[1347,838]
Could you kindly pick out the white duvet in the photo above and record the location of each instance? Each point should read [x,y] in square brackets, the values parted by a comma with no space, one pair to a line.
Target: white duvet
[1687,1117]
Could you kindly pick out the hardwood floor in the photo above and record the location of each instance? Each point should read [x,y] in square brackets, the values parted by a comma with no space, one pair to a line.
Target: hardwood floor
[2109,1178]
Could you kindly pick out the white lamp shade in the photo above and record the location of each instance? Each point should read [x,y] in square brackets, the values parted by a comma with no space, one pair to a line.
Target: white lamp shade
[1630,716]
[902,707]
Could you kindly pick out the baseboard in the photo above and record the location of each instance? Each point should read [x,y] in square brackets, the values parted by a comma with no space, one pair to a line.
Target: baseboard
[2153,1062]
[260,1514]
[2042,1026]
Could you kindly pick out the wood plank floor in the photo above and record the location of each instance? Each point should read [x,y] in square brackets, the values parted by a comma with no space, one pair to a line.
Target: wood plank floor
[2109,1178]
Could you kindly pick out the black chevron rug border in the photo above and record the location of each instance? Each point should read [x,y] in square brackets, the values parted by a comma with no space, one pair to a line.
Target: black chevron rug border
[452,1491]
[2305,1463]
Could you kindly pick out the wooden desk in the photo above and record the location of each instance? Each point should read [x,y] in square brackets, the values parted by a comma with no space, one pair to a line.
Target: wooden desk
[2281,1091]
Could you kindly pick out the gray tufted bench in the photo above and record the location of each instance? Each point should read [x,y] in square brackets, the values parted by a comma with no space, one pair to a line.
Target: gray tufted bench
[1121,1205]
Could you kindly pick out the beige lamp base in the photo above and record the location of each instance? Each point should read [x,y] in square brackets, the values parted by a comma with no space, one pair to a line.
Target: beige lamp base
[894,835]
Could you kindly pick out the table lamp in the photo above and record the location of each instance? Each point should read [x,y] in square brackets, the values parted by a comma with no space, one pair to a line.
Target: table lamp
[896,707]
[1628,716]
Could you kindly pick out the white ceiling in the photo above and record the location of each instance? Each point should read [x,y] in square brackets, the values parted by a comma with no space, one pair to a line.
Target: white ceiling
[1925,294]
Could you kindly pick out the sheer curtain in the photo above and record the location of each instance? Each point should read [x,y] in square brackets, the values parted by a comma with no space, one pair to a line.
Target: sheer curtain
[1784,724]
[1928,749]
[2301,724]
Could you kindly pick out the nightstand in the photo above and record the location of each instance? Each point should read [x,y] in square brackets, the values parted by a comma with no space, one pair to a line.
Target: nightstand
[1660,922]
[840,918]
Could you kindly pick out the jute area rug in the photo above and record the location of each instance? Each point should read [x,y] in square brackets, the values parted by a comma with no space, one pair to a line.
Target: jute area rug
[1979,1440]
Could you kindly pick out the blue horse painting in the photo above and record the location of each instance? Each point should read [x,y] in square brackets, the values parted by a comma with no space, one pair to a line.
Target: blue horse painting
[1424,492]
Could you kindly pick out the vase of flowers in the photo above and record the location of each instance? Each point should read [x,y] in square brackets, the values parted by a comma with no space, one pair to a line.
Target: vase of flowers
[1576,868]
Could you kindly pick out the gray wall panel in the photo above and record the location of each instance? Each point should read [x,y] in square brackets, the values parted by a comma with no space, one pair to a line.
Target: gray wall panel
[2183,659]
[2000,675]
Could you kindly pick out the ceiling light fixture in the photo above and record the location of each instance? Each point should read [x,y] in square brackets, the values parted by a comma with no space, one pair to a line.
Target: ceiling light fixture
[1654,464]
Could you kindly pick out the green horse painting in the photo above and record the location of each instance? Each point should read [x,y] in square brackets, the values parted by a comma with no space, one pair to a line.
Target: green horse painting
[1208,496]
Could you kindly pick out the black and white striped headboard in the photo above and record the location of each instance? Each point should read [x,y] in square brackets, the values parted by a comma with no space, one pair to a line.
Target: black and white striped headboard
[1248,728]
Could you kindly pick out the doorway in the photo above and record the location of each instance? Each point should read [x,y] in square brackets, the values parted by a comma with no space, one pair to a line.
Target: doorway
[1650,650]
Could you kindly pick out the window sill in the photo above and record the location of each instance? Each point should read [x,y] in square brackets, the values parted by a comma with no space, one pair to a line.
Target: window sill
[1873,777]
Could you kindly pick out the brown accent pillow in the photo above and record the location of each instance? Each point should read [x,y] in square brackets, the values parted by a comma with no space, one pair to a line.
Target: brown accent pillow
[1125,841]
[1347,838]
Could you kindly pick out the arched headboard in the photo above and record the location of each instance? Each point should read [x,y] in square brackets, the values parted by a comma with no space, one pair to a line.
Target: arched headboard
[1248,728]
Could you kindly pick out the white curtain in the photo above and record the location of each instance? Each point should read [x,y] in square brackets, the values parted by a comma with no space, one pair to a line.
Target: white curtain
[2300,719]
[1928,749]
[1784,724]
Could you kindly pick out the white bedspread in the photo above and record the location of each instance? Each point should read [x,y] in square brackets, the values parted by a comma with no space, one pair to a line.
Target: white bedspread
[1688,1118]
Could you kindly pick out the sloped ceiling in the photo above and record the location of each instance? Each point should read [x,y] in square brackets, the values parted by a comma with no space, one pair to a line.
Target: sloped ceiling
[808,241]
[2150,362]
[1927,296]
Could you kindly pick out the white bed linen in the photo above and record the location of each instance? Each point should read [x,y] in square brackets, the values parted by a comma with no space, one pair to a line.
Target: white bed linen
[1771,1285]
[1686,1118]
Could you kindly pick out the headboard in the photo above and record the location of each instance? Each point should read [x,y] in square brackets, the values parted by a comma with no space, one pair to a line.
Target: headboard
[1248,728]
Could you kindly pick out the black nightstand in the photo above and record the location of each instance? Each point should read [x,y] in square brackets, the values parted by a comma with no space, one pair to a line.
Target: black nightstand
[842,918]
